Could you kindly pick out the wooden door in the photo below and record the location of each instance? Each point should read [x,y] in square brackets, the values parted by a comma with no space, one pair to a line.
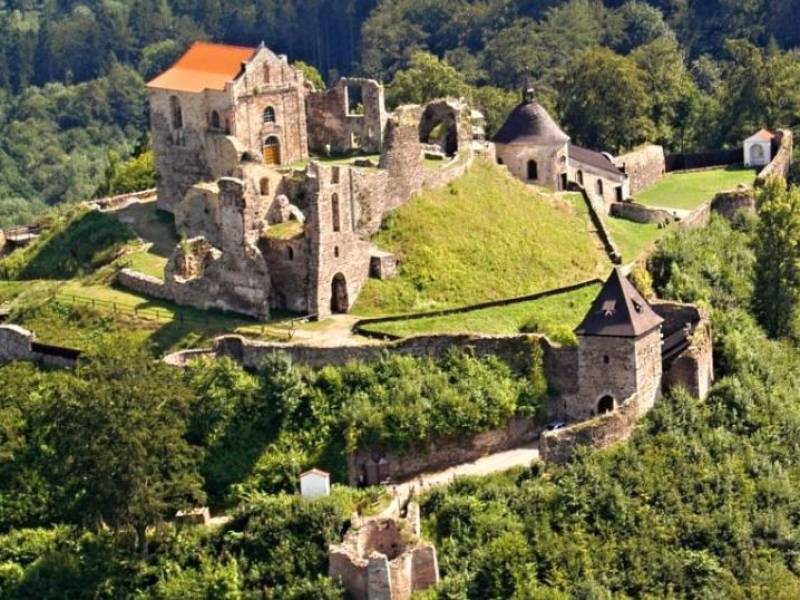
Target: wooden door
[272,153]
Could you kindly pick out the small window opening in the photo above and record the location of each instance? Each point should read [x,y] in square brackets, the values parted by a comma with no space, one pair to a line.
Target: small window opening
[290,252]
[599,187]
[215,122]
[264,186]
[177,113]
[354,99]
[336,251]
[606,359]
[579,176]
[266,73]
[337,225]
[533,170]
[269,115]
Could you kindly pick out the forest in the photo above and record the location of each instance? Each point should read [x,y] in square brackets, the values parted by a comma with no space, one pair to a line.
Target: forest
[688,75]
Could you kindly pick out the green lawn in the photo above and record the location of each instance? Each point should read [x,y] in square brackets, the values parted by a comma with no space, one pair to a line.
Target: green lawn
[633,238]
[484,237]
[689,190]
[145,261]
[556,316]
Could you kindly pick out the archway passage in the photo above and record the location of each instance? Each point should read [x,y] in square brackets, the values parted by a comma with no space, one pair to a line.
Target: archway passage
[272,151]
[438,127]
[605,405]
[339,300]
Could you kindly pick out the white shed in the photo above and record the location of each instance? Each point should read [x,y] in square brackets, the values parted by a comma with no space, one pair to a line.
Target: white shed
[315,483]
[758,149]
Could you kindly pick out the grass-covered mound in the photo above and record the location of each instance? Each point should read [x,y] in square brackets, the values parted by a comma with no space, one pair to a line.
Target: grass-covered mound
[74,241]
[484,237]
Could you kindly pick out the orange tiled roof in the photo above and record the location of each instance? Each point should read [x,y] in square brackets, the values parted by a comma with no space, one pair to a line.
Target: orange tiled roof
[764,135]
[204,66]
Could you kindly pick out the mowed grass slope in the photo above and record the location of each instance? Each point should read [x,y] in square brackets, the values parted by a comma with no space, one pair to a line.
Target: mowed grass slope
[484,237]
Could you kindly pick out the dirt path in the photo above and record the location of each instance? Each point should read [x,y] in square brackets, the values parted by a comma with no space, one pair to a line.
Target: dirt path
[493,463]
[336,330]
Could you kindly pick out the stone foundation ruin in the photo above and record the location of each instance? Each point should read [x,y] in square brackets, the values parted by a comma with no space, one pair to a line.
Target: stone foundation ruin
[384,558]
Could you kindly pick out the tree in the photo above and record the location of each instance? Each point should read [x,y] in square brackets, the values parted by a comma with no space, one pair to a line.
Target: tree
[640,24]
[425,78]
[673,95]
[118,444]
[311,74]
[604,103]
[777,275]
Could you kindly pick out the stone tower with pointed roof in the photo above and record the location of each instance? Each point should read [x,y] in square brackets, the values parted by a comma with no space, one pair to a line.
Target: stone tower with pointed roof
[619,352]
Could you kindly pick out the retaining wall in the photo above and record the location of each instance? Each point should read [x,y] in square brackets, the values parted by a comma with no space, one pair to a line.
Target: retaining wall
[639,213]
[18,344]
[439,454]
[143,284]
[781,161]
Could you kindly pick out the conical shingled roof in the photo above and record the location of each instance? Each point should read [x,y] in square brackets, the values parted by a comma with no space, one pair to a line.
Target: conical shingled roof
[530,123]
[619,311]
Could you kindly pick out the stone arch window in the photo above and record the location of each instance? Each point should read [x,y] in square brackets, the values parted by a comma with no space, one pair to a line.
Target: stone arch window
[290,253]
[269,115]
[599,187]
[215,120]
[533,170]
[263,186]
[579,177]
[605,405]
[337,222]
[176,112]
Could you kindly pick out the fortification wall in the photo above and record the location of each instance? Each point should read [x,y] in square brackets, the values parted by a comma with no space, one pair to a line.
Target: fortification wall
[18,344]
[728,204]
[639,213]
[782,160]
[560,446]
[644,166]
[371,465]
[143,284]
[513,350]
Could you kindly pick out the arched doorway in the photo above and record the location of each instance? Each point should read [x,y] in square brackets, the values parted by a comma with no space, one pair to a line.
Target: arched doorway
[579,176]
[339,300]
[272,151]
[533,170]
[605,405]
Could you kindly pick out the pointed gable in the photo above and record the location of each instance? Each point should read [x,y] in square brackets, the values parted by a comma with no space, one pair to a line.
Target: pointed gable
[204,66]
[619,311]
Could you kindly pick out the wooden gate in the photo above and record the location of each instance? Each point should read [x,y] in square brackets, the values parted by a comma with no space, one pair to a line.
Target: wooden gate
[272,151]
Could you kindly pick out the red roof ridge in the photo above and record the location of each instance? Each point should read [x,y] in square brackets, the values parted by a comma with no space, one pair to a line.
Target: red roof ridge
[314,472]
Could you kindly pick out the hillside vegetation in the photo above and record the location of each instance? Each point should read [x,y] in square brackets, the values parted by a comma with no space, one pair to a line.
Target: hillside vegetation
[485,236]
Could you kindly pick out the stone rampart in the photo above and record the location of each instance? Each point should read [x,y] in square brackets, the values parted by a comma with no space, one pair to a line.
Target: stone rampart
[143,284]
[561,445]
[514,350]
[370,466]
[644,166]
[639,213]
[18,344]
[728,204]
[782,161]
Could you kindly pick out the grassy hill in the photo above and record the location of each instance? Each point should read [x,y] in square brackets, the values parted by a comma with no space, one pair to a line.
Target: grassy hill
[485,236]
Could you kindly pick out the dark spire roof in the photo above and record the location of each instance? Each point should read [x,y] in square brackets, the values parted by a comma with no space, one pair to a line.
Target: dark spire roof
[530,123]
[619,311]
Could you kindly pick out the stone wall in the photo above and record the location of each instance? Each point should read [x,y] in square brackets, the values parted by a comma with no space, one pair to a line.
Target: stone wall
[728,204]
[602,231]
[644,166]
[114,202]
[639,213]
[334,129]
[600,432]
[362,465]
[514,350]
[383,558]
[18,344]
[699,217]
[782,160]
[143,284]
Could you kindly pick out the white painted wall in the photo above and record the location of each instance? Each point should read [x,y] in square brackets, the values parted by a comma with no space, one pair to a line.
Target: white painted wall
[315,485]
[757,153]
